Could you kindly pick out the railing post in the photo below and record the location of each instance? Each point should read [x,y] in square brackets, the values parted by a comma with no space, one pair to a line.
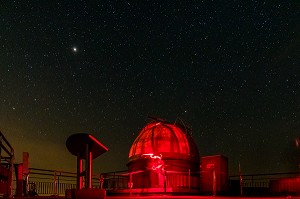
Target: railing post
[54,183]
[27,183]
[10,177]
[79,181]
[241,179]
[88,167]
[130,183]
[189,179]
[58,185]
[101,181]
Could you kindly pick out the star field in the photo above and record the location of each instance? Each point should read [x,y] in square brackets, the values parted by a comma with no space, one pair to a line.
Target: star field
[230,70]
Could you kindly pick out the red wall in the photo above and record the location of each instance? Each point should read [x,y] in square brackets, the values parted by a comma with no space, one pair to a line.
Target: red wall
[285,185]
[219,164]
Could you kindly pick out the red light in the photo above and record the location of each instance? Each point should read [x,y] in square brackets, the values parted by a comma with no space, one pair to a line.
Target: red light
[95,140]
[159,138]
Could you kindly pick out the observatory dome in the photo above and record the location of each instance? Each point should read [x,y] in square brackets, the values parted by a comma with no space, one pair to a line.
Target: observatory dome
[162,151]
[170,141]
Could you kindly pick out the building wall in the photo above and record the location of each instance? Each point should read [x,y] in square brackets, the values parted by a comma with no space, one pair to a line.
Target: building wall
[177,174]
[214,166]
[285,185]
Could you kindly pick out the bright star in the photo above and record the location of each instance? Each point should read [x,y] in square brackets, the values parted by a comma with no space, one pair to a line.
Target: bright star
[74,49]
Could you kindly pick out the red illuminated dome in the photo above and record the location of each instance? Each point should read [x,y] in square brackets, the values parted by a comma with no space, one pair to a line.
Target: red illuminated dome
[164,151]
[170,141]
[165,139]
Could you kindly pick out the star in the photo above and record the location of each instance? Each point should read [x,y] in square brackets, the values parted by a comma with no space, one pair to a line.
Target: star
[229,81]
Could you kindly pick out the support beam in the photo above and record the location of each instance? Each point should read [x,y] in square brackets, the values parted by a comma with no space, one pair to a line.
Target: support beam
[85,147]
[79,173]
[88,167]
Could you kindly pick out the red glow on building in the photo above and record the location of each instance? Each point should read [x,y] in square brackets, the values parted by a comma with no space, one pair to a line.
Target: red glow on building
[168,158]
[214,174]
[161,138]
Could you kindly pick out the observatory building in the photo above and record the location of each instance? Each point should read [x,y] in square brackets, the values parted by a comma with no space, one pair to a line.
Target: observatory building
[164,158]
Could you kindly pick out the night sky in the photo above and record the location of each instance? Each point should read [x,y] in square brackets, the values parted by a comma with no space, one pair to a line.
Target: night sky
[229,69]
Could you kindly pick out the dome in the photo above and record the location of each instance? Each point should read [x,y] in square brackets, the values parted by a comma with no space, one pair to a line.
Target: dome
[170,141]
[164,151]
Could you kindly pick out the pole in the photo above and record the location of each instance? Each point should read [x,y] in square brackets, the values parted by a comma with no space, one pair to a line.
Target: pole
[27,184]
[58,189]
[241,180]
[10,177]
[88,168]
[54,183]
[101,181]
[189,179]
[79,173]
[130,183]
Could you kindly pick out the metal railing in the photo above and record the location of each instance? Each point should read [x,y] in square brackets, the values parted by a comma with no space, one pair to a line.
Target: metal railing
[266,184]
[6,166]
[252,184]
[52,182]
[179,181]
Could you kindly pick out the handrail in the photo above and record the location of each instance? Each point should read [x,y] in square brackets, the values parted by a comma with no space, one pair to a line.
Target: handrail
[53,182]
[9,158]
[265,174]
[3,138]
[6,147]
[58,173]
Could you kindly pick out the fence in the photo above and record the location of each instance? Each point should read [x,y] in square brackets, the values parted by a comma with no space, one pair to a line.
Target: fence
[51,182]
[168,181]
[6,166]
[266,184]
[254,184]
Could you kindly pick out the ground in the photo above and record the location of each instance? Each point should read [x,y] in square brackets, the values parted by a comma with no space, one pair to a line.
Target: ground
[175,197]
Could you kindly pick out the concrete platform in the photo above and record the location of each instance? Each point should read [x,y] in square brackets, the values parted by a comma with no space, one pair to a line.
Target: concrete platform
[170,197]
[196,197]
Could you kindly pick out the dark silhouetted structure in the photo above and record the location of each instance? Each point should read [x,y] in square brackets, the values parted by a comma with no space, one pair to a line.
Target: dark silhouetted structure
[85,147]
